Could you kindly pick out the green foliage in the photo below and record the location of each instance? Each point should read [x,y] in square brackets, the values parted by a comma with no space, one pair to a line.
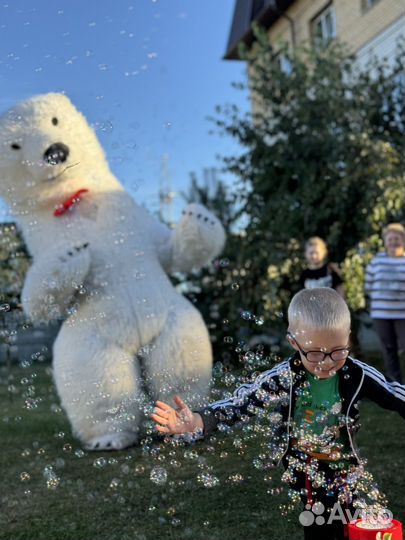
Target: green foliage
[14,263]
[322,156]
[389,206]
[213,194]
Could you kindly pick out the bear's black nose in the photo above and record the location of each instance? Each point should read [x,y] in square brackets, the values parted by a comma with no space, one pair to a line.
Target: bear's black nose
[56,153]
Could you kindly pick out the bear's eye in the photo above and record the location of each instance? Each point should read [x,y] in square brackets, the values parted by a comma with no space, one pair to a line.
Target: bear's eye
[16,146]
[55,121]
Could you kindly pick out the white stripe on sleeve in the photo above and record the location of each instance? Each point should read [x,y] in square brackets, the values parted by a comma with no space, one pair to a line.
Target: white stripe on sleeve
[249,388]
[393,387]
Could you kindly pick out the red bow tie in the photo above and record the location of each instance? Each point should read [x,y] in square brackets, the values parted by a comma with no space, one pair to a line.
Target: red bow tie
[69,203]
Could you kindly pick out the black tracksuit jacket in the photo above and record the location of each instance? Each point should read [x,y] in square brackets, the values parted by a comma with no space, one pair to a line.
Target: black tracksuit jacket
[357,381]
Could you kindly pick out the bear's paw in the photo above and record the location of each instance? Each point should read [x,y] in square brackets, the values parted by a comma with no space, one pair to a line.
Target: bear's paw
[112,441]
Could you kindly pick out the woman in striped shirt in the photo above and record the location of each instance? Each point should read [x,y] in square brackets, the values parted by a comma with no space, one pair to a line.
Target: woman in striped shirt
[385,286]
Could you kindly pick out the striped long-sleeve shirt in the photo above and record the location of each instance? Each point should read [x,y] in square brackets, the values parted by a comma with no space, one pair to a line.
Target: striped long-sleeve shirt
[385,285]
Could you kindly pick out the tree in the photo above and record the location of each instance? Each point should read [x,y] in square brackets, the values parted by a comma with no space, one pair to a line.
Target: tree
[322,156]
[15,261]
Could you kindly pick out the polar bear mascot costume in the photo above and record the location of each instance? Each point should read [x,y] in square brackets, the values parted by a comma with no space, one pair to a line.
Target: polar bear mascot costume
[100,261]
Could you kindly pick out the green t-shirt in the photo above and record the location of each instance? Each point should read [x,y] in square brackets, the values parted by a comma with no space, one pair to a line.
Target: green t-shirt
[318,419]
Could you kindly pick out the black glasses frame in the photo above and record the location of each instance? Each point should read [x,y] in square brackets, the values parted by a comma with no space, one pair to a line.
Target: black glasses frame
[325,354]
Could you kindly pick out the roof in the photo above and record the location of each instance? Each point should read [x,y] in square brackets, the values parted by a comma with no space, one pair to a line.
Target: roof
[264,12]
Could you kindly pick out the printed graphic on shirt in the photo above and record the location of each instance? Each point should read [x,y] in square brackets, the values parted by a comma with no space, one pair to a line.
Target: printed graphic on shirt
[317,419]
[325,281]
[325,276]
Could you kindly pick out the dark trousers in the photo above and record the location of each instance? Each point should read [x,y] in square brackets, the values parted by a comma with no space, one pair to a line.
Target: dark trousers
[392,336]
[333,531]
[314,522]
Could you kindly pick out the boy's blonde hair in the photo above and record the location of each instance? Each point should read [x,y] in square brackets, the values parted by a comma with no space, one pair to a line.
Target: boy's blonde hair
[317,241]
[321,308]
[394,227]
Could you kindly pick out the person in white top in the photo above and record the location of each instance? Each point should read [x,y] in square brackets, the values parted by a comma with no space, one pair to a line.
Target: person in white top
[385,287]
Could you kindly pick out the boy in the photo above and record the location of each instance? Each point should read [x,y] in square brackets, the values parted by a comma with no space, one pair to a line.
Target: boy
[320,272]
[317,391]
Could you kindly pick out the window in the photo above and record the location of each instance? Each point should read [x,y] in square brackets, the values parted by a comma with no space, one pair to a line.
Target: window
[323,26]
[284,63]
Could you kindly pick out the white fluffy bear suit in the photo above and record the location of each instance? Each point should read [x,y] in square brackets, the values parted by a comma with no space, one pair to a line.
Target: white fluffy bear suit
[100,261]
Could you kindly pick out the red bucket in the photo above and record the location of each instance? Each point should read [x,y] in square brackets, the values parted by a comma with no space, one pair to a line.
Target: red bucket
[358,533]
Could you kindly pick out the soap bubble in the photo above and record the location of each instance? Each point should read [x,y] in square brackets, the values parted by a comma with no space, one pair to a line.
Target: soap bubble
[99,463]
[139,469]
[115,483]
[236,478]
[52,480]
[158,475]
[229,379]
[208,480]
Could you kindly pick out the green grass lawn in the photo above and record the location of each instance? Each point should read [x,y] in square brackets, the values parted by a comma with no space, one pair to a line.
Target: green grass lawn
[118,500]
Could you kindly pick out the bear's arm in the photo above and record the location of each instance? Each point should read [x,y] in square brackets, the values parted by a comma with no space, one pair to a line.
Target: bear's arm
[52,281]
[196,240]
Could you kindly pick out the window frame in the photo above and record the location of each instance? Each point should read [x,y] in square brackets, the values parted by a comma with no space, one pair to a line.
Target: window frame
[320,17]
[284,64]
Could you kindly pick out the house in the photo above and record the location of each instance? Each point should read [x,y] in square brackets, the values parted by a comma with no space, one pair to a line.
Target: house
[369,27]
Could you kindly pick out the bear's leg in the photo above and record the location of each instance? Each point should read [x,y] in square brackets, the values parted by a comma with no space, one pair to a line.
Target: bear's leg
[180,359]
[99,386]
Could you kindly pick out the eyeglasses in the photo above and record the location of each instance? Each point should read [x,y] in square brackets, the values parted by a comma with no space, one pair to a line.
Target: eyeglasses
[315,357]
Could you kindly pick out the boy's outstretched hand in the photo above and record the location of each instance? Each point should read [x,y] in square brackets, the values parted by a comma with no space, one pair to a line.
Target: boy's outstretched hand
[180,420]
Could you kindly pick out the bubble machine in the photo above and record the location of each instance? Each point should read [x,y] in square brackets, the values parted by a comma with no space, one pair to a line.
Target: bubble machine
[361,530]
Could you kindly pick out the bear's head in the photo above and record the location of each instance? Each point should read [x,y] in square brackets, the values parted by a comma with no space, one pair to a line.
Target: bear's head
[47,151]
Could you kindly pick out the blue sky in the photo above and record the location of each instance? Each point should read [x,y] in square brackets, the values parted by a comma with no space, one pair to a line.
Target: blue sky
[148,73]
